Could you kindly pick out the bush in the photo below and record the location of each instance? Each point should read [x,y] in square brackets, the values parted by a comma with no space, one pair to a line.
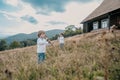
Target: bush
[3,45]
[15,44]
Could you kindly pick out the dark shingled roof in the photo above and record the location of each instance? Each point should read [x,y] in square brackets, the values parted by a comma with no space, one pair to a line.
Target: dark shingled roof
[106,7]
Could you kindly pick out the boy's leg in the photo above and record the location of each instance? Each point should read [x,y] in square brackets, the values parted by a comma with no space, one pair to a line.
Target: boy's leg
[38,58]
[61,45]
[43,56]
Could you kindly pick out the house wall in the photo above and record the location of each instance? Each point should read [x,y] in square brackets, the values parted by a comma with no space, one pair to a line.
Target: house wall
[85,27]
[90,28]
[115,18]
[89,25]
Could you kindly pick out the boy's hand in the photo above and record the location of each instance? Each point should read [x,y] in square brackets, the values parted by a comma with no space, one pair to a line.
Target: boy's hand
[48,40]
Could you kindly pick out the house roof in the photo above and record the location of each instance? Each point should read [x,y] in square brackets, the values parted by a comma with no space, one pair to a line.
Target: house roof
[105,7]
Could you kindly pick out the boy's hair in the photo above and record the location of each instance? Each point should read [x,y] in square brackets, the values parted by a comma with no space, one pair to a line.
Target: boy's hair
[62,34]
[40,32]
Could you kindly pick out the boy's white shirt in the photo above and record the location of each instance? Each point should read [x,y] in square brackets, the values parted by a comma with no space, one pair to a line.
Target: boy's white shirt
[61,39]
[41,45]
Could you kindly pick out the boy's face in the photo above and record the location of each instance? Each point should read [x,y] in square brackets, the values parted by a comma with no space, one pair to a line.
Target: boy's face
[42,35]
[61,35]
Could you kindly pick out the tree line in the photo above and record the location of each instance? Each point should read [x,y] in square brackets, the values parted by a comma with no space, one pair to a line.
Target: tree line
[70,30]
[16,44]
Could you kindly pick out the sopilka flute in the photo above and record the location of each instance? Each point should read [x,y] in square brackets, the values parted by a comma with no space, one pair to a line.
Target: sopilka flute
[48,40]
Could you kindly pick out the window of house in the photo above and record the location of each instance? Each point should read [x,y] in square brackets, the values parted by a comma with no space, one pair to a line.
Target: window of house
[104,23]
[95,25]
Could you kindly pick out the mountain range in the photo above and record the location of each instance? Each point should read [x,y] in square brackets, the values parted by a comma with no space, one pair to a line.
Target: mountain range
[23,36]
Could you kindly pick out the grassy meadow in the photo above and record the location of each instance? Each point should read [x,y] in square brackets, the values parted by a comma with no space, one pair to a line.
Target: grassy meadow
[90,56]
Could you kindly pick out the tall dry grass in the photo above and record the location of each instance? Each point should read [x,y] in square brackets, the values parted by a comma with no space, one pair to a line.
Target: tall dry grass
[85,57]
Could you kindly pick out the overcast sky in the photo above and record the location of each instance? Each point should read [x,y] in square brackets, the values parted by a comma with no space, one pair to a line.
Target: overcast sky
[27,16]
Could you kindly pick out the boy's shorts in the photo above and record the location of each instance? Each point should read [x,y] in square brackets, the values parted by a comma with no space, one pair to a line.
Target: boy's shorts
[61,45]
[41,57]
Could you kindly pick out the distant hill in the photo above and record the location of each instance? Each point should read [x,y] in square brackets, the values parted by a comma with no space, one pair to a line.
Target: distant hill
[22,36]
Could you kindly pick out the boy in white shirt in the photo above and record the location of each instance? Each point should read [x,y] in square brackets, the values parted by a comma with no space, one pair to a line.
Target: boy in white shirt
[61,40]
[42,42]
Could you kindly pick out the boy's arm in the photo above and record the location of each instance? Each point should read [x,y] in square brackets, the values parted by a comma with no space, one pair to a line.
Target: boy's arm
[49,42]
[58,38]
[41,42]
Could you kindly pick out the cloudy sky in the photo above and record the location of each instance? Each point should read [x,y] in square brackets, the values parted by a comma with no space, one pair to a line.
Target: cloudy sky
[27,16]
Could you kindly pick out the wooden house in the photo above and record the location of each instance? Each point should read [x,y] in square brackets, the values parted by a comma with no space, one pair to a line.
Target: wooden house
[106,15]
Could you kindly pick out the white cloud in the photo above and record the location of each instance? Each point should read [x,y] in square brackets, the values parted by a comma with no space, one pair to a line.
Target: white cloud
[75,13]
[13,2]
